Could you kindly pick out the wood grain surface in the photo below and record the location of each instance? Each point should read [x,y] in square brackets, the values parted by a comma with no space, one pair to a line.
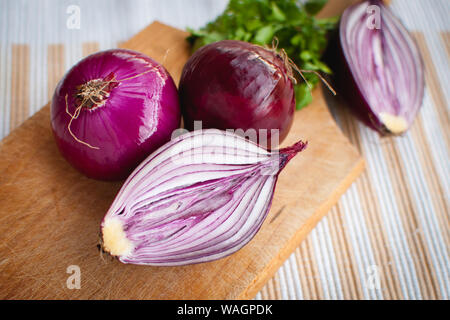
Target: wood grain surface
[50,214]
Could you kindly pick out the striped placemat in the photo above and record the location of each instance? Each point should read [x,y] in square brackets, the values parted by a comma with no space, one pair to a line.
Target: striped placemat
[387,238]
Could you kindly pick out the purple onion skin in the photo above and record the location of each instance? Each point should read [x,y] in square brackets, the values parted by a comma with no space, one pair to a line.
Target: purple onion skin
[353,90]
[237,85]
[137,117]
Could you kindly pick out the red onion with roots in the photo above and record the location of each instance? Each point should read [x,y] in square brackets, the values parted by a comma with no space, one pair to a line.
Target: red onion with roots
[198,198]
[111,110]
[237,85]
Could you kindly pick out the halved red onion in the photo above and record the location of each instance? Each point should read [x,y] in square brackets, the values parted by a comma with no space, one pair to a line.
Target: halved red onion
[380,71]
[198,198]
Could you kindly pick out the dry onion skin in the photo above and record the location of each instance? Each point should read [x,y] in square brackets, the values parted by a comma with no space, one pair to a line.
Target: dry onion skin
[198,198]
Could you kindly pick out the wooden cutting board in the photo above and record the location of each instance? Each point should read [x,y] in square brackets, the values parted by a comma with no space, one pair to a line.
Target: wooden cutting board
[50,214]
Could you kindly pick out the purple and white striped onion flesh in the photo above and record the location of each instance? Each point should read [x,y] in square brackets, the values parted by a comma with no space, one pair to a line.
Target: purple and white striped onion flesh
[200,197]
[380,70]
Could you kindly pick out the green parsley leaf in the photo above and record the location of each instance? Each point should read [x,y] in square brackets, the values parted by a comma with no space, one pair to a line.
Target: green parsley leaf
[264,35]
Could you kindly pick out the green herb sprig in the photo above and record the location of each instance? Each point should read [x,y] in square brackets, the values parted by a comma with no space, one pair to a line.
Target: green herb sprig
[294,25]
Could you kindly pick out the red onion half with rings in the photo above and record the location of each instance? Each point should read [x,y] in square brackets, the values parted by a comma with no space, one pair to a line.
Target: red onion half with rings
[378,67]
[111,110]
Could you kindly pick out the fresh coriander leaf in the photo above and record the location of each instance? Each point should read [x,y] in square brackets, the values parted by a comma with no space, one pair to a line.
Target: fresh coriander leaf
[327,23]
[264,35]
[322,67]
[253,25]
[240,34]
[277,13]
[297,40]
[306,55]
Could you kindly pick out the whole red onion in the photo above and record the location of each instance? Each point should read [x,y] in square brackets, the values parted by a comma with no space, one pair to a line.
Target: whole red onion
[237,85]
[200,197]
[111,110]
